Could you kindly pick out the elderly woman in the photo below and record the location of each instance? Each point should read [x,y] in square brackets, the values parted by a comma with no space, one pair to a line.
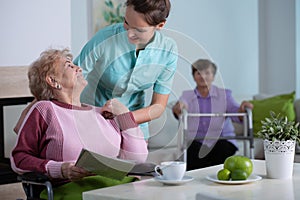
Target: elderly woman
[58,125]
[208,98]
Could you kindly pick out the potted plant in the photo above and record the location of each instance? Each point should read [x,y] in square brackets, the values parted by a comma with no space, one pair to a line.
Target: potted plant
[280,136]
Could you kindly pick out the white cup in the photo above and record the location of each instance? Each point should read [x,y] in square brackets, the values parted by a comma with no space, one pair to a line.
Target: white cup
[171,170]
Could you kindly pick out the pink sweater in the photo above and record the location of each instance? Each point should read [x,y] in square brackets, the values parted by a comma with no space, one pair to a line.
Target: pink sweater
[54,132]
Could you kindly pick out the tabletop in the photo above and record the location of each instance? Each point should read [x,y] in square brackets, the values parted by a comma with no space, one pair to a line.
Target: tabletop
[204,189]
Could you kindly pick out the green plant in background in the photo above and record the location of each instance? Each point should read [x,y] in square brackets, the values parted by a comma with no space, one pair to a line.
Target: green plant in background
[114,14]
[279,128]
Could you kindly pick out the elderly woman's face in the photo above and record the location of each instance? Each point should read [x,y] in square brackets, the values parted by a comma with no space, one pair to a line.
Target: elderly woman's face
[69,75]
[204,78]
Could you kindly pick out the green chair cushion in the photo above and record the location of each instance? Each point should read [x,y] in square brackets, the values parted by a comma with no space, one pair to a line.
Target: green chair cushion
[283,104]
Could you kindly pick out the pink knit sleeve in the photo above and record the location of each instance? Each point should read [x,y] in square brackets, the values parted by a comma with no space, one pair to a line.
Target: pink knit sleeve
[25,155]
[134,146]
[126,121]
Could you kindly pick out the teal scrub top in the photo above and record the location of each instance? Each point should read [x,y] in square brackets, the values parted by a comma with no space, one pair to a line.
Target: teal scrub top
[113,70]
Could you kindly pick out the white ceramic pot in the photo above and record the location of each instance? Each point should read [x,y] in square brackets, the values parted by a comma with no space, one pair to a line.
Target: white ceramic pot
[279,156]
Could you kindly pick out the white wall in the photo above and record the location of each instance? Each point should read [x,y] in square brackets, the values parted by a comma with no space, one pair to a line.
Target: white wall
[277,31]
[228,31]
[80,24]
[253,42]
[29,27]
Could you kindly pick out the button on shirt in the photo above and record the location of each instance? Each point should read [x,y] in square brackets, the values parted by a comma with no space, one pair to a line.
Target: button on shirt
[218,101]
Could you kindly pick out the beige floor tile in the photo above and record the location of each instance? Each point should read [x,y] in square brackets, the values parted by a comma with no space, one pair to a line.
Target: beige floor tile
[12,191]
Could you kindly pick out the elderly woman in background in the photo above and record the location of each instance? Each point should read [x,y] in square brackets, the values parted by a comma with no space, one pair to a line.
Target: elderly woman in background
[57,126]
[208,98]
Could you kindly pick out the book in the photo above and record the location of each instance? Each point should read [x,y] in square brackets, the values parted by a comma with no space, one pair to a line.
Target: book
[143,169]
[112,167]
[104,166]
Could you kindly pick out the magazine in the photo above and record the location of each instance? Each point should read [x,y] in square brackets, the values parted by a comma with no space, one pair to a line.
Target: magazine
[112,167]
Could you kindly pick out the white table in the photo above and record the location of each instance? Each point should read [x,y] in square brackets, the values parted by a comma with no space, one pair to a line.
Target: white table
[201,188]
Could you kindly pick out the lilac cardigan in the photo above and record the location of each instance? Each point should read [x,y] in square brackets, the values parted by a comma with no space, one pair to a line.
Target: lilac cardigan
[219,100]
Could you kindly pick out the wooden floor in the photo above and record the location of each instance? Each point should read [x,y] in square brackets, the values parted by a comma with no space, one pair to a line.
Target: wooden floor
[12,191]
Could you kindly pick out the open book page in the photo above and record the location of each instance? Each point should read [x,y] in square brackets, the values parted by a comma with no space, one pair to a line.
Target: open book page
[104,166]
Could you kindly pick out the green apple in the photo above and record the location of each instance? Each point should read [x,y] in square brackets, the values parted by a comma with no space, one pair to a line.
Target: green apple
[238,162]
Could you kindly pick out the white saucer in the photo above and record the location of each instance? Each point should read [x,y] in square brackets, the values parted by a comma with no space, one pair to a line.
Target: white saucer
[185,179]
[250,179]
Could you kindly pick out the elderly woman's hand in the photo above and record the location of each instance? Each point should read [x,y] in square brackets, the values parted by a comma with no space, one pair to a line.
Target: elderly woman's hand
[177,108]
[115,107]
[244,105]
[70,171]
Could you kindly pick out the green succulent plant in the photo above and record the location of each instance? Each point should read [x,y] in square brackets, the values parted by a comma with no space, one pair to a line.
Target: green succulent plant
[278,127]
